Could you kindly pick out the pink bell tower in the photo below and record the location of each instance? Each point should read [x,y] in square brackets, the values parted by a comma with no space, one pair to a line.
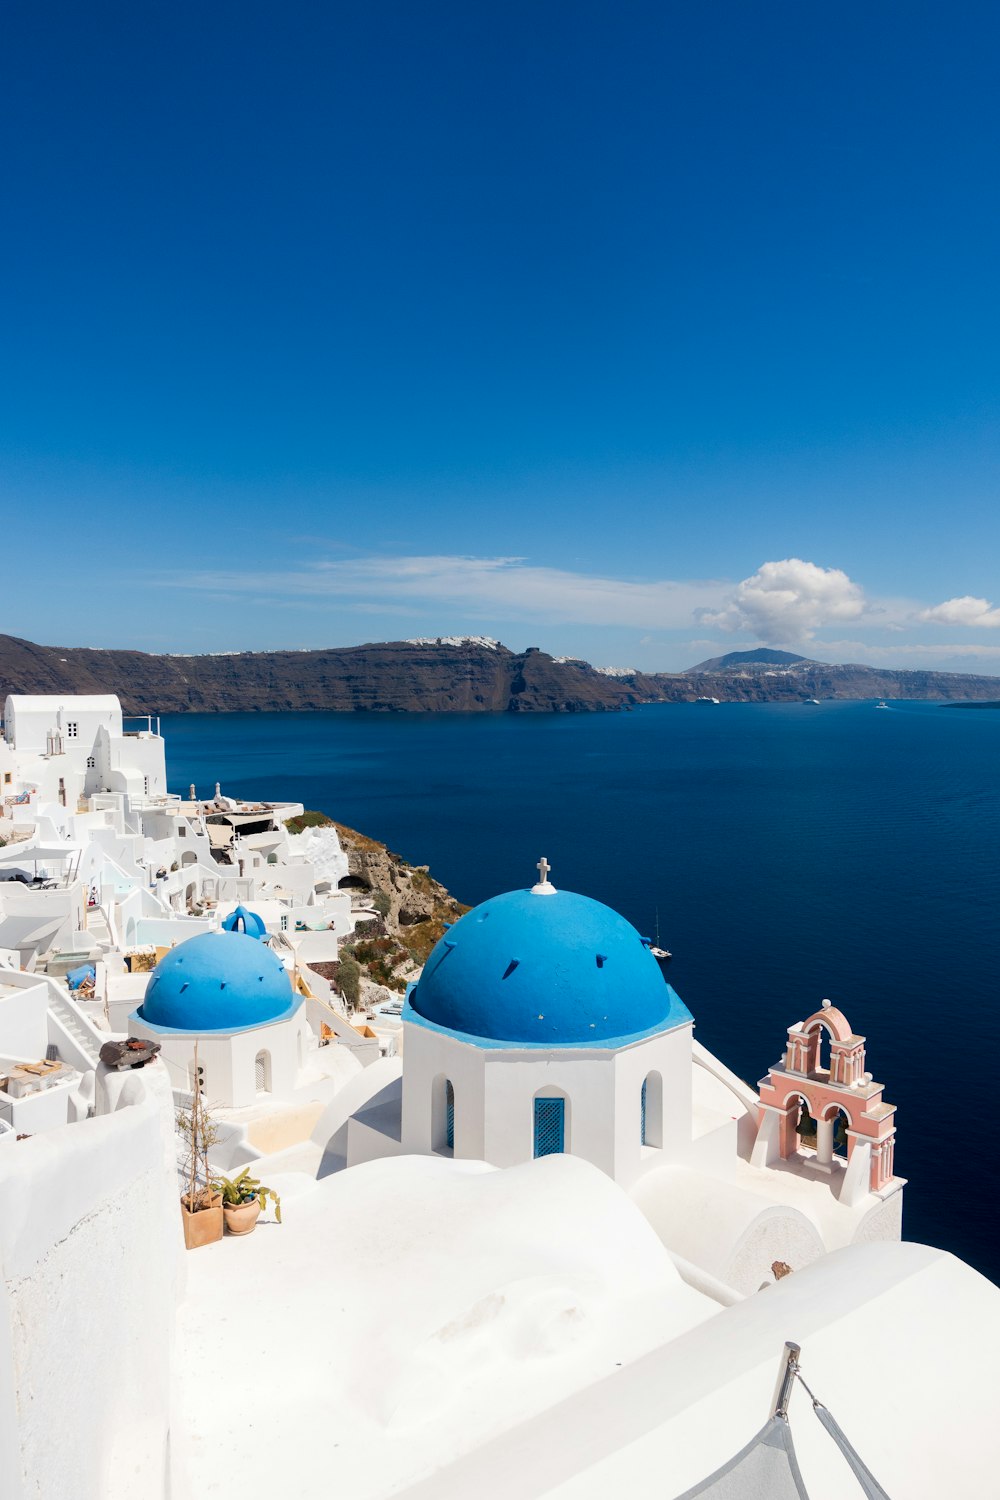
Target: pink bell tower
[842,1088]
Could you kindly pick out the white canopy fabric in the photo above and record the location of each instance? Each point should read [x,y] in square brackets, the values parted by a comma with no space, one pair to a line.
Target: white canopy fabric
[27,853]
[766,1469]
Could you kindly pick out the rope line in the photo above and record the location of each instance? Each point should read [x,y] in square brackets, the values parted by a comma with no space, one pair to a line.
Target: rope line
[866,1479]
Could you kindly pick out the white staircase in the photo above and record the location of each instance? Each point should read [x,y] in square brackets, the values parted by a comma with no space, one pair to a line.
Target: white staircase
[76,1036]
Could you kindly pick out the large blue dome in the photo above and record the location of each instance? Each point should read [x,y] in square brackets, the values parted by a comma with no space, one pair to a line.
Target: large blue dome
[550,970]
[218,981]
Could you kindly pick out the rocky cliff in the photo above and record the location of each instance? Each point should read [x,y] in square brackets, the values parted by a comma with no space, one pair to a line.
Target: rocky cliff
[814,679]
[450,676]
[410,911]
[388,677]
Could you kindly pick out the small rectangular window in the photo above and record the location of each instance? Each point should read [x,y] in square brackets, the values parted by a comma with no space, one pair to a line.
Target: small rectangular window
[145,785]
[284,924]
[8,777]
[550,1126]
[91,763]
[71,730]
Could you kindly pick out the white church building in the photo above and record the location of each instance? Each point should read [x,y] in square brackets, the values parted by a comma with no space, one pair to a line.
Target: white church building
[542,1024]
[229,993]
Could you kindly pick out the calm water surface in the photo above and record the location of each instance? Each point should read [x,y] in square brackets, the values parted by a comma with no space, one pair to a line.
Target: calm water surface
[792,853]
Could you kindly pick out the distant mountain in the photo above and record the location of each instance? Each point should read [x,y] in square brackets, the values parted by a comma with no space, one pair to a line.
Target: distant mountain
[445,675]
[779,676]
[761,656]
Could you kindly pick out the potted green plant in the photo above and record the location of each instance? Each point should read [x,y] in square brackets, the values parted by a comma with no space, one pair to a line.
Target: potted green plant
[243,1200]
[201,1203]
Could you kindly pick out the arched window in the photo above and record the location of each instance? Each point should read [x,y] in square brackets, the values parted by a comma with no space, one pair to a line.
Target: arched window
[262,1072]
[841,1125]
[549,1124]
[651,1110]
[443,1115]
[831,1136]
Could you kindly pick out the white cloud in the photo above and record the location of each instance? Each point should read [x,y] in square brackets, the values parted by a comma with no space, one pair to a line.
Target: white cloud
[782,603]
[935,652]
[789,601]
[483,587]
[965,610]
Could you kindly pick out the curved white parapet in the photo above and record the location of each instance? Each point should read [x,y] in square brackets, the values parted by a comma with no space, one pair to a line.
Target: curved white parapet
[732,1234]
[425,1305]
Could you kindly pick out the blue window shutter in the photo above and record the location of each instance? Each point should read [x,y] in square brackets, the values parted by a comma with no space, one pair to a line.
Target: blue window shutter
[449,1105]
[550,1126]
[644,1141]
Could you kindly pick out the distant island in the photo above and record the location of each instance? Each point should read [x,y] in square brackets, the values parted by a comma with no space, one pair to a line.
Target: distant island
[451,674]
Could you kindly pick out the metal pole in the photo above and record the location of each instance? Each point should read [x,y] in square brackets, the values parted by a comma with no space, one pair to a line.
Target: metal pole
[785,1381]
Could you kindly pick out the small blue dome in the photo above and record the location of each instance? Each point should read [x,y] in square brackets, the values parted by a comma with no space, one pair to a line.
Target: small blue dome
[548,970]
[242,920]
[218,981]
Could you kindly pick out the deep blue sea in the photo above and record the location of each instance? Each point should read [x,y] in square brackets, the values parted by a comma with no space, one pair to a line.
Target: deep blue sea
[792,853]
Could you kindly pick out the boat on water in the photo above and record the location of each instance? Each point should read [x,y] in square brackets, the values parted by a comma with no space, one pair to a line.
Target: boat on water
[662,955]
[881,703]
[706,700]
[813,700]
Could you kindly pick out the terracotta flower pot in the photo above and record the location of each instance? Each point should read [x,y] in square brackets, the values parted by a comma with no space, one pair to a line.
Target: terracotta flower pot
[241,1218]
[201,1227]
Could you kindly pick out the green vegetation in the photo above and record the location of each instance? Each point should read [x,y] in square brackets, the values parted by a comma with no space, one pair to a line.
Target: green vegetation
[379,957]
[306,820]
[244,1189]
[382,903]
[349,980]
[421,937]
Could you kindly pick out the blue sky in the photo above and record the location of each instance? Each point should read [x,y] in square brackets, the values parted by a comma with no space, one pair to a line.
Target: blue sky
[635,331]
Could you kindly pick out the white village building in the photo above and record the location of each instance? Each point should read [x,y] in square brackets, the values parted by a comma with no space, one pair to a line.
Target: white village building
[551,1249]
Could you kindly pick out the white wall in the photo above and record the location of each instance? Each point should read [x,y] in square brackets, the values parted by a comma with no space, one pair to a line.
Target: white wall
[90,1247]
[228,1059]
[28,718]
[495,1088]
[430,1056]
[132,763]
[670,1055]
[46,1109]
[24,1020]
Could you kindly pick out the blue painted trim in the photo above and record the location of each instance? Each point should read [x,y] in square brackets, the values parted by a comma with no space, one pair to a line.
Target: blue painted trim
[677,1016]
[285,1015]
